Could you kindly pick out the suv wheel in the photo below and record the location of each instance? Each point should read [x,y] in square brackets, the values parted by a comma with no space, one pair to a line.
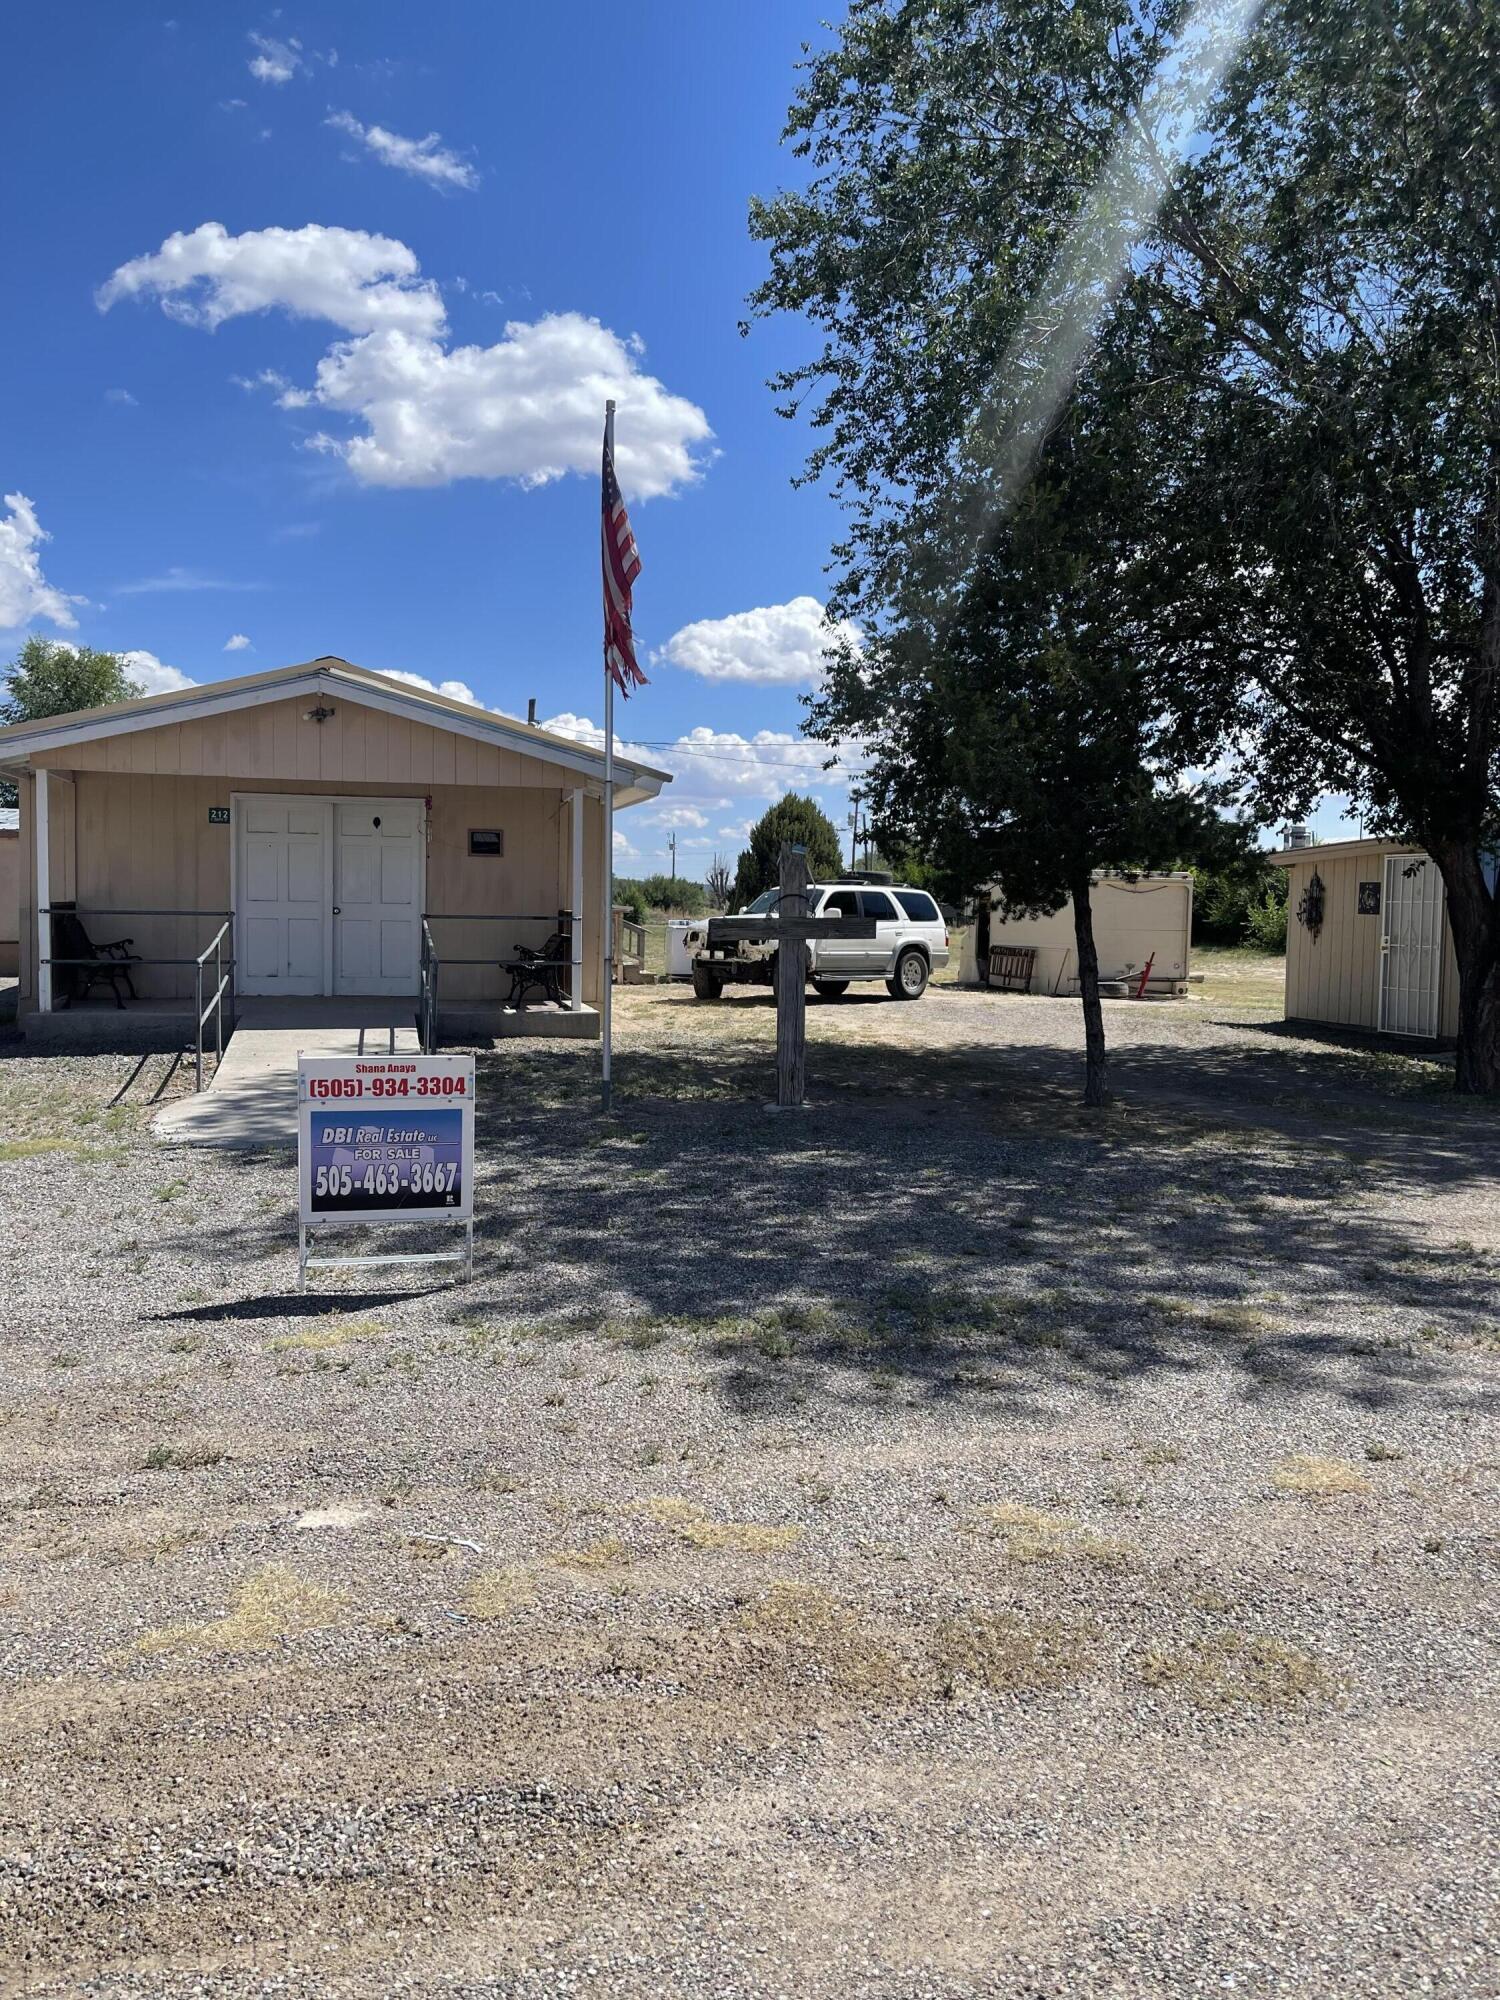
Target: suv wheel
[830,989]
[707,984]
[909,981]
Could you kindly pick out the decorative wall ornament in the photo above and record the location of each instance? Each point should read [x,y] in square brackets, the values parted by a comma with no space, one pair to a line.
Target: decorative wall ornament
[1369,899]
[1310,908]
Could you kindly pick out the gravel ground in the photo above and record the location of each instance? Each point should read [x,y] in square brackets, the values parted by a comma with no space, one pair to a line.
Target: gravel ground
[940,1544]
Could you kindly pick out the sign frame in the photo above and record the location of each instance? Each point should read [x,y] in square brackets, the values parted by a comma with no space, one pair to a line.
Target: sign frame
[388,1109]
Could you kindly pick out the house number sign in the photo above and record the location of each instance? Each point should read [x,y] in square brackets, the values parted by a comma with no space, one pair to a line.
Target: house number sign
[218,815]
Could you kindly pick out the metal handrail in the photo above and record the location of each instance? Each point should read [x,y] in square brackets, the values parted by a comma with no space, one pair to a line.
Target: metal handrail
[224,984]
[427,1004]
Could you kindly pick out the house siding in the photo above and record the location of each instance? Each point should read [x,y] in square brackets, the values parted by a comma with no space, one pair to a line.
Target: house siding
[1335,977]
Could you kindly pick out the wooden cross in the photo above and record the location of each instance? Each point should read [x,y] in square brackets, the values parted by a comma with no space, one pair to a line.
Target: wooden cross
[790,929]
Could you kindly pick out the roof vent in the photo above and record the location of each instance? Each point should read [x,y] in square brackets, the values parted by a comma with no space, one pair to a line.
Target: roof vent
[1300,836]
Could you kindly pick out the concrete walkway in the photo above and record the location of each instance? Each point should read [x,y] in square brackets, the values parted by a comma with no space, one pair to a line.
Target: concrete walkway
[252,1101]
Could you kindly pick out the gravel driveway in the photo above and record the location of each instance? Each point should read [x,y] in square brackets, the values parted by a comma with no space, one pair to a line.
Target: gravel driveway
[938,1544]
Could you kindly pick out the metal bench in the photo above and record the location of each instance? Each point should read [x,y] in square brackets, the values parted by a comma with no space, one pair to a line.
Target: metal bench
[545,968]
[84,964]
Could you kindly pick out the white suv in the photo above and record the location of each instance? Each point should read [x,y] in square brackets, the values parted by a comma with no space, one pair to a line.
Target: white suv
[909,945]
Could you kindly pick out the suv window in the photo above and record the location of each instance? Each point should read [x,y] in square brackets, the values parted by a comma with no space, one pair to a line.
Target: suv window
[877,904]
[919,906]
[842,903]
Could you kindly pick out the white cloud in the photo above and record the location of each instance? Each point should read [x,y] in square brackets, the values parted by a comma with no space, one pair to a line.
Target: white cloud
[275,61]
[454,690]
[177,579]
[678,817]
[152,674]
[121,396]
[428,158]
[24,592]
[529,407]
[237,643]
[776,645]
[354,280]
[623,849]
[288,395]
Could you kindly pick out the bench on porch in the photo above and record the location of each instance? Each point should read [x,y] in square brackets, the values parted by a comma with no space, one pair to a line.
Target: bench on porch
[83,965]
[548,968]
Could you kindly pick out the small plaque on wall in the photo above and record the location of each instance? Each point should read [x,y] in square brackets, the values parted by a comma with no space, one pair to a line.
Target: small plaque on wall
[488,840]
[218,815]
[1369,899]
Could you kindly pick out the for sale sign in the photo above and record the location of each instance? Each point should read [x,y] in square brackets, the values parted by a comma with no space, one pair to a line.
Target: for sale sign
[385,1138]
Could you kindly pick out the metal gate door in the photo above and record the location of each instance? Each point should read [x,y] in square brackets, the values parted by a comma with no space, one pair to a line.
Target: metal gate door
[1411,946]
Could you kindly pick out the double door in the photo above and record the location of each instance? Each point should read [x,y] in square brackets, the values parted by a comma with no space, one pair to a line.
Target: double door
[328,895]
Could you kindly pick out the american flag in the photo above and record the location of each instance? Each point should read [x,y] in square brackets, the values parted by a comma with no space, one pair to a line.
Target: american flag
[622,565]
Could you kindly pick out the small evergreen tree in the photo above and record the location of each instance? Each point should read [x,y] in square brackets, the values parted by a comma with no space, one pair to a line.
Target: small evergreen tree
[797,819]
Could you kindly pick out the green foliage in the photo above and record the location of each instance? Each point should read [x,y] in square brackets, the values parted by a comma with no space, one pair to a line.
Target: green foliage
[631,897]
[794,818]
[1287,330]
[1240,906]
[666,892]
[50,677]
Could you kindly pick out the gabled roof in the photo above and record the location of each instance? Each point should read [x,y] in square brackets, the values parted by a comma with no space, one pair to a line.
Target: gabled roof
[331,676]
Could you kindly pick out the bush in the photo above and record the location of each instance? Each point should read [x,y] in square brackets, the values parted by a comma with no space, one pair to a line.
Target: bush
[630,897]
[1240,907]
[1265,922]
[665,892]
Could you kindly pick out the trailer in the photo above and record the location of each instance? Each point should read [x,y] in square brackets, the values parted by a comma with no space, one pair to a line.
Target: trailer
[1143,927]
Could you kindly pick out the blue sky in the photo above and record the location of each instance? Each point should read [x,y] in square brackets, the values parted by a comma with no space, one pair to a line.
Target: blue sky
[286,375]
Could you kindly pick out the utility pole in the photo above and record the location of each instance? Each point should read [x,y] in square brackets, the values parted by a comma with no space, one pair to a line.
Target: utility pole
[672,843]
[854,835]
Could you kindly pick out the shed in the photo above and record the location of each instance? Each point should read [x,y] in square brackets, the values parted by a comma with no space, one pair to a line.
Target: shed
[1367,939]
[1138,920]
[329,831]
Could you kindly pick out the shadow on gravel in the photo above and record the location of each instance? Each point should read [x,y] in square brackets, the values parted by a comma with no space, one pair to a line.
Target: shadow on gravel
[930,1231]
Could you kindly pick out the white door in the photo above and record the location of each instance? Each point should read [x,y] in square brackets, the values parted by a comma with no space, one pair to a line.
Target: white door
[282,896]
[1411,945]
[377,895]
[836,957]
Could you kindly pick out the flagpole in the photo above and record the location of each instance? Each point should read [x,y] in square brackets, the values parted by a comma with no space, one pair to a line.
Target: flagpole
[606,1007]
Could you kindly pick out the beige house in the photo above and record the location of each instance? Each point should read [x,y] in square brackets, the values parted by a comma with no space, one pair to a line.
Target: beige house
[328,830]
[1367,939]
[10,891]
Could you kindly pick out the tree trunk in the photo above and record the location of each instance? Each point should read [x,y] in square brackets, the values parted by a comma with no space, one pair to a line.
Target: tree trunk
[1096,1061]
[1474,919]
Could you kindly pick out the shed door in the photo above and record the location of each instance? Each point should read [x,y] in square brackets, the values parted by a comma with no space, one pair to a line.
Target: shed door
[377,898]
[282,919]
[1411,946]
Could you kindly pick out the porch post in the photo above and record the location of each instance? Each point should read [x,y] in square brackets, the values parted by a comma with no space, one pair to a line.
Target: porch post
[576,902]
[43,845]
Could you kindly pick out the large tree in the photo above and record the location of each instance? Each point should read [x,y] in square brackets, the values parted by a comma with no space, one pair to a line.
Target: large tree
[800,820]
[1291,214]
[53,677]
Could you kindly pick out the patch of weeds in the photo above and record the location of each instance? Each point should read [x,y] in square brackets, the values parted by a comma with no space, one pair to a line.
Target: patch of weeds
[196,1297]
[1159,1453]
[170,1190]
[556,1400]
[1031,1536]
[652,1454]
[495,1479]
[29,1149]
[774,1342]
[185,1343]
[272,1605]
[182,1458]
[1234,1667]
[692,1525]
[609,1552]
[1319,1478]
[496,1593]
[316,1339]
[68,1358]
[1009,1654]
[805,1628]
[1380,1453]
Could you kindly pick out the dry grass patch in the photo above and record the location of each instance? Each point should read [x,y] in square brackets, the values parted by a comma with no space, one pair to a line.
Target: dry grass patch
[1319,1478]
[1029,1535]
[1011,1655]
[182,1457]
[609,1552]
[1233,1667]
[317,1339]
[496,1593]
[272,1605]
[805,1629]
[691,1525]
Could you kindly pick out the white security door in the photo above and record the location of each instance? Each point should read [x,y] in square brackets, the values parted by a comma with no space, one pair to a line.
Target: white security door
[282,898]
[377,895]
[1411,946]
